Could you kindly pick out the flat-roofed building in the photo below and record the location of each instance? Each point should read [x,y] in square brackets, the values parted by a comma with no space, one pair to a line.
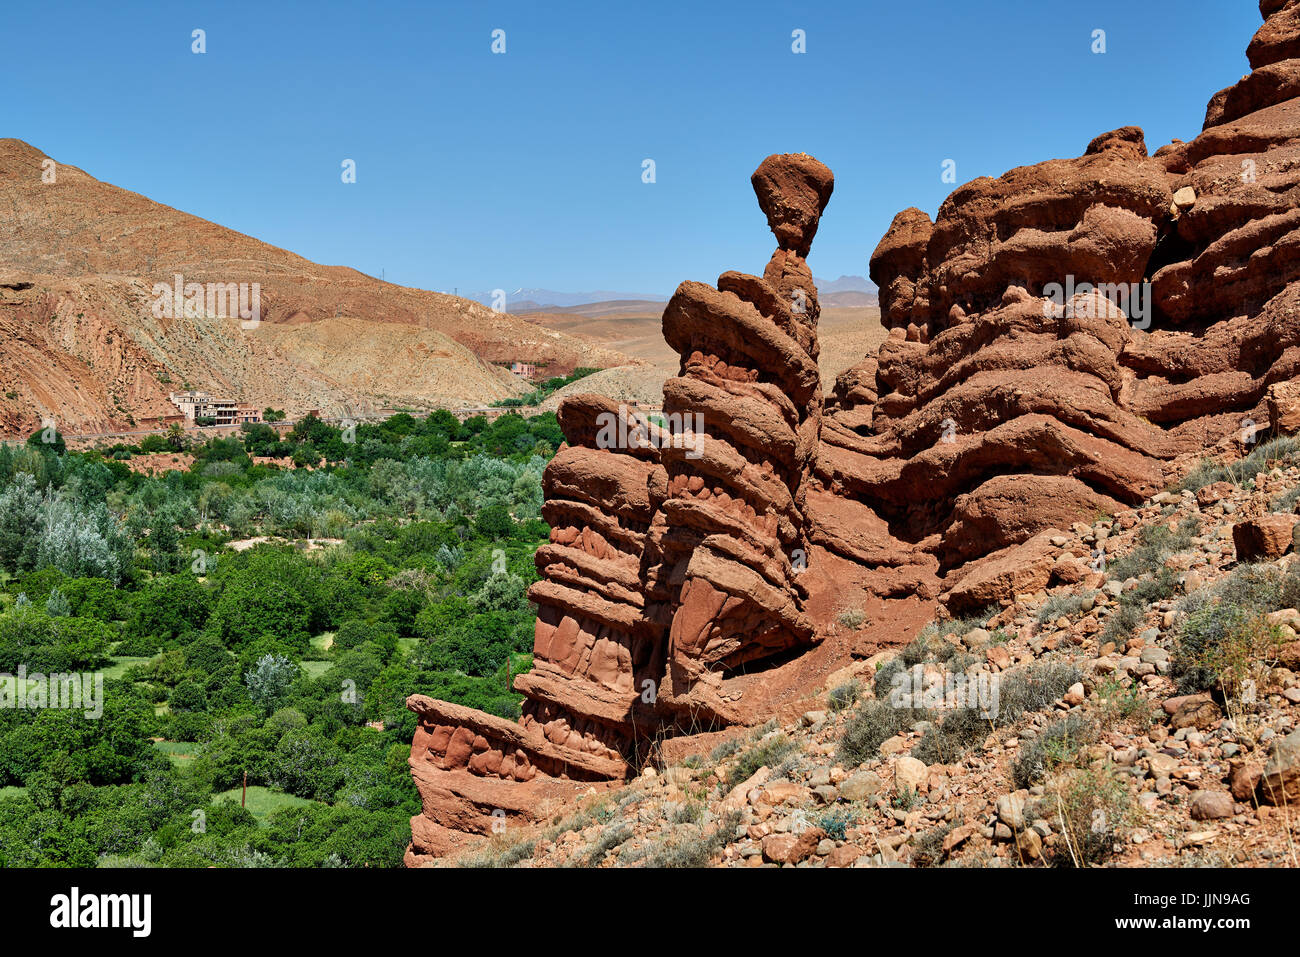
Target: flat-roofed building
[200,405]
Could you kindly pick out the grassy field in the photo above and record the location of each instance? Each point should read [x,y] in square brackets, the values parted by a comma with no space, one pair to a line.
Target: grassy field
[262,801]
[178,752]
[120,663]
[315,669]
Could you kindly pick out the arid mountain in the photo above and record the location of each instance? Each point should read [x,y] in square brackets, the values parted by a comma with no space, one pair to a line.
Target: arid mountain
[82,344]
[849,324]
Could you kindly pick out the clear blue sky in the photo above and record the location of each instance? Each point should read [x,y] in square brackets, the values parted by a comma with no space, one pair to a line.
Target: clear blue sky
[481,171]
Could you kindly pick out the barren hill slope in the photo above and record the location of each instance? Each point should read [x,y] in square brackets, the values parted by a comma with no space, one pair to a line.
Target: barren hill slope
[82,345]
[636,328]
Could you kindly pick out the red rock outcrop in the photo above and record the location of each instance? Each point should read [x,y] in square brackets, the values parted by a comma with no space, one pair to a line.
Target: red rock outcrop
[586,715]
[1063,340]
[729,537]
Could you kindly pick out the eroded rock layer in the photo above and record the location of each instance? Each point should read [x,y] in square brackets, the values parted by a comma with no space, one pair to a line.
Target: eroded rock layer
[1063,340]
[730,537]
[1063,336]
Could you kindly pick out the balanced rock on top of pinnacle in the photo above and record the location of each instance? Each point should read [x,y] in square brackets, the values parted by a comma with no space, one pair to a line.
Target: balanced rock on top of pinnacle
[792,190]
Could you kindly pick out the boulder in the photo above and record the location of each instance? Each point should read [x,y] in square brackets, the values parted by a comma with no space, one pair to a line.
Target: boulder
[1263,538]
[1279,783]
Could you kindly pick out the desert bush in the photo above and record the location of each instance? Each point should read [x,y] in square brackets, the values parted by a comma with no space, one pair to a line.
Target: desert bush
[843,696]
[871,725]
[927,848]
[1206,472]
[500,853]
[689,812]
[836,821]
[768,753]
[1156,588]
[947,741]
[1154,544]
[1057,745]
[609,839]
[1121,623]
[1254,587]
[960,626]
[885,676]
[1286,502]
[1092,806]
[852,618]
[1222,646]
[1032,688]
[725,750]
[1260,459]
[696,850]
[1123,703]
[1067,606]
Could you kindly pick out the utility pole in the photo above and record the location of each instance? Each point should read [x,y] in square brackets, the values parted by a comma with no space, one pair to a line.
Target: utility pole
[244,794]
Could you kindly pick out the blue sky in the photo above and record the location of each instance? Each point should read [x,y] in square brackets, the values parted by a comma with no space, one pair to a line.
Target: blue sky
[478,171]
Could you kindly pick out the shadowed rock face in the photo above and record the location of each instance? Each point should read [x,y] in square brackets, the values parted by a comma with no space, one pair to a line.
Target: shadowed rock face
[691,571]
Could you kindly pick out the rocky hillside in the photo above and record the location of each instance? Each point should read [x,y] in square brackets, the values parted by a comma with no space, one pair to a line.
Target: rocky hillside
[82,345]
[1146,713]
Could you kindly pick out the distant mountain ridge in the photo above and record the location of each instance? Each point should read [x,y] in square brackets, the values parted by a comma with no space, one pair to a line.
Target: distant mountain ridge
[845,284]
[532,300]
[524,299]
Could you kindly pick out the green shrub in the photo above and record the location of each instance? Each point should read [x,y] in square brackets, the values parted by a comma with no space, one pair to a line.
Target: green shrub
[1124,703]
[852,618]
[725,750]
[1154,544]
[959,627]
[1260,459]
[836,821]
[1286,502]
[1221,646]
[1092,805]
[885,676]
[767,753]
[609,839]
[1121,623]
[843,696]
[927,848]
[696,850]
[495,856]
[1254,587]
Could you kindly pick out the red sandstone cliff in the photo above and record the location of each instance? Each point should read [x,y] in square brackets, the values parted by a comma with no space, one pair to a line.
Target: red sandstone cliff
[693,583]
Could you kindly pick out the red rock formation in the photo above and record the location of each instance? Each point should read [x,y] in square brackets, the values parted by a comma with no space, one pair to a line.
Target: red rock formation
[584,717]
[730,533]
[1062,339]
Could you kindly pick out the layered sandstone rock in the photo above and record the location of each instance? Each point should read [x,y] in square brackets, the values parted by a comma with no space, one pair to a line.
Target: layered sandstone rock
[730,536]
[1063,340]
[675,552]
[584,718]
[1005,405]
